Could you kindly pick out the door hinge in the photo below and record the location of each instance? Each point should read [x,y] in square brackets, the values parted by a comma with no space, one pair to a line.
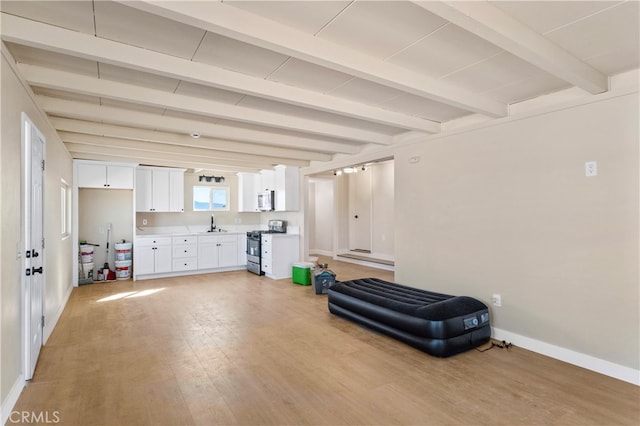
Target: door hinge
[42,165]
[43,321]
[43,242]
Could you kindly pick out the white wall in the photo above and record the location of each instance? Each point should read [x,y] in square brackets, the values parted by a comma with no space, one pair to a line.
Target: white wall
[507,209]
[58,282]
[321,216]
[382,211]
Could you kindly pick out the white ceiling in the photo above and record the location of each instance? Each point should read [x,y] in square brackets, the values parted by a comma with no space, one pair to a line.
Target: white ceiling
[290,82]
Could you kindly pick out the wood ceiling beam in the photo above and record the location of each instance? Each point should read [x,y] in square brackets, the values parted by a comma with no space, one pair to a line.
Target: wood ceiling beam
[235,23]
[209,154]
[164,163]
[160,158]
[492,24]
[43,36]
[122,132]
[86,85]
[125,117]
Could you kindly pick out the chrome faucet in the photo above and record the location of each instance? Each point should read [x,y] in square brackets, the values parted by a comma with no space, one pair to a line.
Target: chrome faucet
[213,223]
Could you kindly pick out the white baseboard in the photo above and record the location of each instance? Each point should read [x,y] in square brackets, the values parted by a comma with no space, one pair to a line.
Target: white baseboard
[50,324]
[589,362]
[321,252]
[11,399]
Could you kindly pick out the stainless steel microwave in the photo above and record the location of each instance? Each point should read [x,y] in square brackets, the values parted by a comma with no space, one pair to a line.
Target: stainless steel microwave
[266,201]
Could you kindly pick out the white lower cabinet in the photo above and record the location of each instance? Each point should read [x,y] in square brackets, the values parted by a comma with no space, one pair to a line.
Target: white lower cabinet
[207,252]
[279,252]
[185,253]
[228,251]
[217,251]
[152,255]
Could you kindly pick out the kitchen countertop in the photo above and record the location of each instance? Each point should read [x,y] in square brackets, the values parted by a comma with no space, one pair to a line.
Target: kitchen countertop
[168,231]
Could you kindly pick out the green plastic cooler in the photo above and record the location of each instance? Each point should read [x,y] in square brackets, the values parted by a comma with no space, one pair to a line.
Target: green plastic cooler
[301,273]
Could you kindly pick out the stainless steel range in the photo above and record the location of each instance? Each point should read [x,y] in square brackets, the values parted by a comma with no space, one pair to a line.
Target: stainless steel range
[254,250]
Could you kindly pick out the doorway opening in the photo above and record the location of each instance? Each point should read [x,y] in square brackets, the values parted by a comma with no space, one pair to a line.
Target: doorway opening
[350,214]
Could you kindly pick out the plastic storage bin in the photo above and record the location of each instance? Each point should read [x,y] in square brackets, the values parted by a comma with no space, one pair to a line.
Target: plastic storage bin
[323,278]
[301,273]
[123,251]
[123,269]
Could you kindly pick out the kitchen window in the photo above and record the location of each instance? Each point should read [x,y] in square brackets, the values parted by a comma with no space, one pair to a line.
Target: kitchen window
[207,198]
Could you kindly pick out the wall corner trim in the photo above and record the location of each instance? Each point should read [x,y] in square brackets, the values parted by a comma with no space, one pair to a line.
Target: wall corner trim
[589,362]
[11,399]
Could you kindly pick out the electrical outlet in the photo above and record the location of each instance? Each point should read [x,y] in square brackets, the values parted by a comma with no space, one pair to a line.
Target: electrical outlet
[591,168]
[496,300]
[144,222]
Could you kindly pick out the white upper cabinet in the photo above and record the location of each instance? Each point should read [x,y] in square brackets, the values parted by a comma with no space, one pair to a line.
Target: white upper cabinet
[176,191]
[248,188]
[286,186]
[283,180]
[159,189]
[267,181]
[105,175]
[144,196]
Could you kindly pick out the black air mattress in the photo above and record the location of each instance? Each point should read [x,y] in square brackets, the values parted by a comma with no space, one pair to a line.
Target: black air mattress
[439,324]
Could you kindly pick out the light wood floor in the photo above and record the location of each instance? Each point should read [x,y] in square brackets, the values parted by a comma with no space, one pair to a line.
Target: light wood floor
[234,348]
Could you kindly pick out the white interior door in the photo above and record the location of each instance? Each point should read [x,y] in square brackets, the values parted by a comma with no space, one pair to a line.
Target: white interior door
[34,245]
[360,211]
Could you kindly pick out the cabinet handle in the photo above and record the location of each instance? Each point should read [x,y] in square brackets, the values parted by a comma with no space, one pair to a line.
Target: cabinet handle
[185,251]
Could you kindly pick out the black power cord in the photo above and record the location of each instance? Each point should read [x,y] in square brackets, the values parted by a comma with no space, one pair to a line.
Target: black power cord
[501,345]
